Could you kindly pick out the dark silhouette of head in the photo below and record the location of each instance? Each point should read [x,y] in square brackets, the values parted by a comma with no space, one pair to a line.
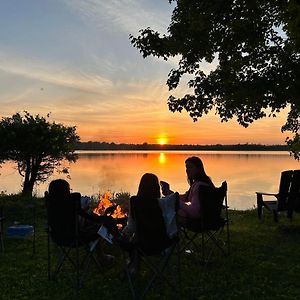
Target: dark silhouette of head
[149,186]
[195,170]
[59,188]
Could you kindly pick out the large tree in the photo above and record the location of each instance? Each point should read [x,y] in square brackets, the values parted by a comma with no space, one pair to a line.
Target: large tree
[37,146]
[254,48]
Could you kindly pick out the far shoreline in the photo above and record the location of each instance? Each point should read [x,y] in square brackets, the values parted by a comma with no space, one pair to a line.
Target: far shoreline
[104,146]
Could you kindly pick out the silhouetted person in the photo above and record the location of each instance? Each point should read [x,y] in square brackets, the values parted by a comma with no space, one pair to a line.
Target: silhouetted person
[63,209]
[146,225]
[189,203]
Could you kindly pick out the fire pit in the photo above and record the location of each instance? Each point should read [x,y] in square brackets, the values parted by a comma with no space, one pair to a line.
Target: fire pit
[114,205]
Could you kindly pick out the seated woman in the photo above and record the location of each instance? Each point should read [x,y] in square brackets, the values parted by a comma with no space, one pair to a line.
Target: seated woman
[146,226]
[63,207]
[190,204]
[145,211]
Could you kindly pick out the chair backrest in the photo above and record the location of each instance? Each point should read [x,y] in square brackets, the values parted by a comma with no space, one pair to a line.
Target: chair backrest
[284,187]
[285,181]
[151,233]
[294,192]
[62,215]
[212,202]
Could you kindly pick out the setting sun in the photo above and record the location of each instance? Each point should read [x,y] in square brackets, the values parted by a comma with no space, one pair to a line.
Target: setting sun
[162,140]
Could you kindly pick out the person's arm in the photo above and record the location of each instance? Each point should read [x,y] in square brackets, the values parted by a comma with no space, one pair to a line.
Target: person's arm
[184,197]
[88,216]
[165,188]
[83,213]
[76,199]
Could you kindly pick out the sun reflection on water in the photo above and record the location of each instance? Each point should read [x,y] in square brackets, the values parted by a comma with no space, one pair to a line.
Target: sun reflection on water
[162,158]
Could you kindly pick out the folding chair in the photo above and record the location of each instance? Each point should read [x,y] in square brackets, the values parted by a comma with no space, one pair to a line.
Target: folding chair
[74,252]
[210,226]
[286,198]
[153,247]
[293,201]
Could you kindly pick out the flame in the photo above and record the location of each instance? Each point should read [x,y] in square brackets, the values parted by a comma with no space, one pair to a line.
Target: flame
[105,201]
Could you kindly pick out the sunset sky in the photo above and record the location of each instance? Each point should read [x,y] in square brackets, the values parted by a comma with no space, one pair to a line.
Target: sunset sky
[73,58]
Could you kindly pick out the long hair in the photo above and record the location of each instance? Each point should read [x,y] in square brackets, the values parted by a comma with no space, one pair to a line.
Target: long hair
[149,186]
[200,175]
[59,188]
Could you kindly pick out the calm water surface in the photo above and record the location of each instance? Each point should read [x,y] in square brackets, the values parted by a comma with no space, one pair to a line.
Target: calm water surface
[98,171]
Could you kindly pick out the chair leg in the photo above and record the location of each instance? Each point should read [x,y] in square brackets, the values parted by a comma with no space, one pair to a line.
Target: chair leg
[275,215]
[260,205]
[49,255]
[1,229]
[139,288]
[228,237]
[1,237]
[189,240]
[32,209]
[1,242]
[78,280]
[34,231]
[178,253]
[290,214]
[202,247]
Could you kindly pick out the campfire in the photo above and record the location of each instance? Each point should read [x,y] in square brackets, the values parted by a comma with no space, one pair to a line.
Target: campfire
[106,200]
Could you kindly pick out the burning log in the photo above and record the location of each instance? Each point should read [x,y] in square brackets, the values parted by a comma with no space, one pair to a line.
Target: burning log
[106,201]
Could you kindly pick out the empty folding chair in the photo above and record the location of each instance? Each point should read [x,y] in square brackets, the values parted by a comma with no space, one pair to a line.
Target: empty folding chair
[202,237]
[281,198]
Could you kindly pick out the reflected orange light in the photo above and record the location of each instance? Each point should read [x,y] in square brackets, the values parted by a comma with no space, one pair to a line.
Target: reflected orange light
[162,158]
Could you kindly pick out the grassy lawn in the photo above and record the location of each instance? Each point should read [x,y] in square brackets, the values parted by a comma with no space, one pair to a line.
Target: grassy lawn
[264,263]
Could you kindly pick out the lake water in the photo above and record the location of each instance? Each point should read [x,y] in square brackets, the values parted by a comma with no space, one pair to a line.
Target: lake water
[98,171]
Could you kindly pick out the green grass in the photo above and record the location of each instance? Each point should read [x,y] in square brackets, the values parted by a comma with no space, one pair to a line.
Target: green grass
[264,263]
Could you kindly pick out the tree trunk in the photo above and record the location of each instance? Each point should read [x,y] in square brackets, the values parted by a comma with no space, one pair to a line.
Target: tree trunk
[30,178]
[28,188]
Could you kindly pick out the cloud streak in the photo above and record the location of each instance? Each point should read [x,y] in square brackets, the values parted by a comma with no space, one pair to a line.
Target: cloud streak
[122,15]
[31,68]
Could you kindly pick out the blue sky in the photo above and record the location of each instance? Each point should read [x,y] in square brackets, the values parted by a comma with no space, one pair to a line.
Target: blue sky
[73,58]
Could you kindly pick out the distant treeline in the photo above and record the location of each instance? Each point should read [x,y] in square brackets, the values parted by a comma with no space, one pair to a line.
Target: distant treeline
[146,146]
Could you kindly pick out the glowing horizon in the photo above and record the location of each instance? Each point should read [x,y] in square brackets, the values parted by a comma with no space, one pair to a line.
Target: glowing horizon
[74,59]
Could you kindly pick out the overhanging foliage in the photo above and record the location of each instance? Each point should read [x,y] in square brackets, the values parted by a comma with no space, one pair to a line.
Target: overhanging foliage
[255,46]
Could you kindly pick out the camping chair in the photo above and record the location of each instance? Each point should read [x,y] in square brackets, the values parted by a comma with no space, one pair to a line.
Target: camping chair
[205,235]
[74,252]
[283,200]
[2,218]
[154,245]
[293,200]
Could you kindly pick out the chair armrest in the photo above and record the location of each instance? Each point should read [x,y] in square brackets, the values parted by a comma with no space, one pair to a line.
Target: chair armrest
[267,194]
